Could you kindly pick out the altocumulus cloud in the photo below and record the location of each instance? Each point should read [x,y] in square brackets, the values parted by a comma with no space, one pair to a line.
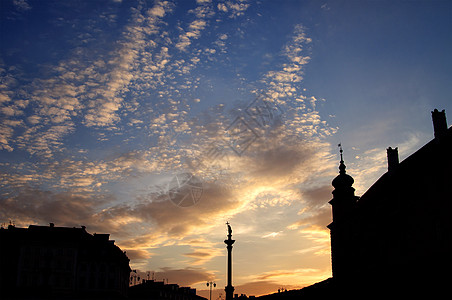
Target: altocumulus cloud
[137,103]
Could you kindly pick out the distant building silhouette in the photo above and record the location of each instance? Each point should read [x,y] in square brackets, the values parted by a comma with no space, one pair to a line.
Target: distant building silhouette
[42,262]
[158,290]
[397,237]
[395,241]
[243,297]
[318,291]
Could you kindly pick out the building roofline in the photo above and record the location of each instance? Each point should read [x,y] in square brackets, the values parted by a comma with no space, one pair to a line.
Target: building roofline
[385,176]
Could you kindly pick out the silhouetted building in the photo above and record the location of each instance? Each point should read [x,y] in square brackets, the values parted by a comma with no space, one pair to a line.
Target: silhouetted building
[243,297]
[397,237]
[158,290]
[42,262]
[395,241]
[318,291]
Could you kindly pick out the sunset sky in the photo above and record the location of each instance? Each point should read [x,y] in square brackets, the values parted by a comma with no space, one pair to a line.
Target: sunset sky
[108,106]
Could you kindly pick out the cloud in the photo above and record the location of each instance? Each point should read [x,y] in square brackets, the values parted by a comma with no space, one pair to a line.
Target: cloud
[278,161]
[45,141]
[235,8]
[197,25]
[22,5]
[157,11]
[198,254]
[316,213]
[281,82]
[202,12]
[314,221]
[193,33]
[138,95]
[178,221]
[82,203]
[200,257]
[6,132]
[31,206]
[276,274]
[317,196]
[108,100]
[277,155]
[222,7]
[270,281]
[88,86]
[36,206]
[261,287]
[136,255]
[272,234]
[9,111]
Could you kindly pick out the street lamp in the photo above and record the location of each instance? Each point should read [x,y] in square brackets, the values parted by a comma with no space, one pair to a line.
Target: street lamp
[211,283]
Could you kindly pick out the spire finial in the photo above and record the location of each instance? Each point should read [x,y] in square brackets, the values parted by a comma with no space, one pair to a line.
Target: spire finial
[340,150]
[341,165]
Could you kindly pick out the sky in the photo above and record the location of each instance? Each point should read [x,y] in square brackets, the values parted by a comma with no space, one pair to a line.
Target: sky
[159,121]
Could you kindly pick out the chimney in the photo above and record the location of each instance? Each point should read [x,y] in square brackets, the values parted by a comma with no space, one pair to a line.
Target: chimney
[439,122]
[393,159]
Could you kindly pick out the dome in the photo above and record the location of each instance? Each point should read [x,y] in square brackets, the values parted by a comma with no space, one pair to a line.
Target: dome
[343,180]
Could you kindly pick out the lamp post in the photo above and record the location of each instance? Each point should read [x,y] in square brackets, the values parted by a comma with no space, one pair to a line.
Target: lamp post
[211,283]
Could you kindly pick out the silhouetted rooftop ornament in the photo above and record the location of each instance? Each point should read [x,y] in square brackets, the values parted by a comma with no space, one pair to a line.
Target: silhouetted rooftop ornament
[343,179]
[229,229]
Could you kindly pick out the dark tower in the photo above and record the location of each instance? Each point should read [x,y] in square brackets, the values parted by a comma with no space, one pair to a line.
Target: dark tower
[229,289]
[341,229]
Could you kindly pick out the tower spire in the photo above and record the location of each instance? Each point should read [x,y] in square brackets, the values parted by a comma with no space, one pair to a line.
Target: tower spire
[341,164]
[343,205]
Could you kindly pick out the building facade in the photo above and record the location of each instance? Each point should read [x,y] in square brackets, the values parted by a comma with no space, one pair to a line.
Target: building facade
[395,241]
[397,237]
[42,262]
